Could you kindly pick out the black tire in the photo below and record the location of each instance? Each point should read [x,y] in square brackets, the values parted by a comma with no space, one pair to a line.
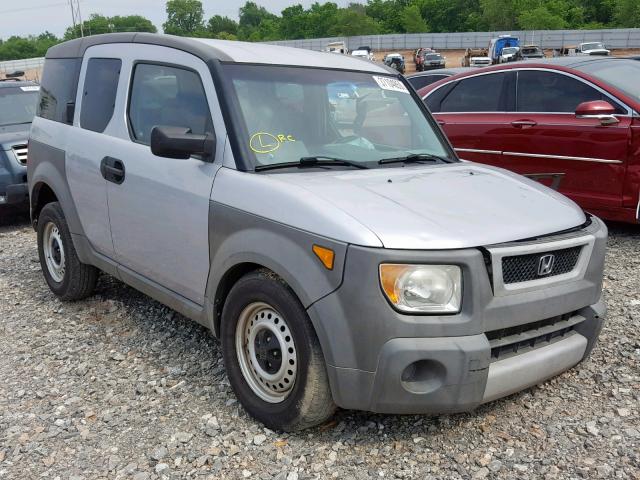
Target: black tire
[79,279]
[309,402]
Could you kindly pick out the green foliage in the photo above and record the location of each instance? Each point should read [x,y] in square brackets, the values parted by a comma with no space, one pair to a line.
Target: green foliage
[626,13]
[412,21]
[219,25]
[185,18]
[98,24]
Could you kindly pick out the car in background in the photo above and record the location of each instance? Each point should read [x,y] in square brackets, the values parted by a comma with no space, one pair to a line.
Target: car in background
[497,45]
[510,54]
[431,61]
[18,101]
[396,61]
[592,48]
[476,57]
[572,123]
[422,79]
[364,54]
[529,52]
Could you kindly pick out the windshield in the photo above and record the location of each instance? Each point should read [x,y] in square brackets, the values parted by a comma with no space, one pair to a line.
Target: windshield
[530,51]
[433,57]
[509,50]
[621,74]
[592,46]
[292,113]
[18,104]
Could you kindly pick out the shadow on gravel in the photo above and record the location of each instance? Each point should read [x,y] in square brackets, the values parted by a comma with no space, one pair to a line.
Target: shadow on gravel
[623,229]
[11,219]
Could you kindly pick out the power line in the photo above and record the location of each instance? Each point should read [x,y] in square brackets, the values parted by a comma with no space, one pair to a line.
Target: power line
[76,16]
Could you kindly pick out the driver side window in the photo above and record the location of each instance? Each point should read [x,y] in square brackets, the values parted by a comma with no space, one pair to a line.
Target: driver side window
[166,96]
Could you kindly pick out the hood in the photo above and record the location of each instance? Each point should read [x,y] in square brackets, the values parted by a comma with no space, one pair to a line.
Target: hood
[11,135]
[597,51]
[445,206]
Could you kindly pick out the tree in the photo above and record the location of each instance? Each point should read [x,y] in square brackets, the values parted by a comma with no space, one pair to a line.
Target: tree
[351,22]
[97,24]
[184,18]
[219,24]
[627,13]
[294,22]
[412,21]
[540,19]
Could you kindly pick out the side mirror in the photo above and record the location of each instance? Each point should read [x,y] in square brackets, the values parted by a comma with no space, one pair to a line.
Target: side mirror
[180,143]
[599,110]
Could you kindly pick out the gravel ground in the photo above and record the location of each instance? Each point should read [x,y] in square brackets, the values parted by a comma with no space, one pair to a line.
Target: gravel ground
[118,386]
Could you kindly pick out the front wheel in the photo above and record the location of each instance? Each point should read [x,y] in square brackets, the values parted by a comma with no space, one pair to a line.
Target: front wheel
[273,356]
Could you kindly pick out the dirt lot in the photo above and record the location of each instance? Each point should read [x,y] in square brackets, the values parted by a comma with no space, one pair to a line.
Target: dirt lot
[118,386]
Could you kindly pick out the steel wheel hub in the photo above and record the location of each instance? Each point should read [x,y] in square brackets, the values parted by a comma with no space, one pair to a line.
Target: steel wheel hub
[54,252]
[266,352]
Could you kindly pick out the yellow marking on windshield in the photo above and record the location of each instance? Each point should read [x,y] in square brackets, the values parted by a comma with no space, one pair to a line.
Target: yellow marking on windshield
[263,142]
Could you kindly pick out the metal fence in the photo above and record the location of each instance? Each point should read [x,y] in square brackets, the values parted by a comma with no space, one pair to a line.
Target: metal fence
[612,38]
[26,64]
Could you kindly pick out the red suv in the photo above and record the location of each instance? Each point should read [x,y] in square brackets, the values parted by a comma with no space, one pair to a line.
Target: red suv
[571,123]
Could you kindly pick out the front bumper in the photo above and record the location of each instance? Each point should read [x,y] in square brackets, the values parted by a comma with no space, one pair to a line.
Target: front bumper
[15,194]
[384,361]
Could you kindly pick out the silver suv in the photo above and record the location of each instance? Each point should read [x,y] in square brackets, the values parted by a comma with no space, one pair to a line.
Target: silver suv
[308,210]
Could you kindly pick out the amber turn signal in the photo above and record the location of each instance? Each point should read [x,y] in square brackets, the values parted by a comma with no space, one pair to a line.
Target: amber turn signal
[326,256]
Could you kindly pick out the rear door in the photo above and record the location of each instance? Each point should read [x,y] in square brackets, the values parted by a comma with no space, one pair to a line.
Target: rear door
[473,114]
[546,137]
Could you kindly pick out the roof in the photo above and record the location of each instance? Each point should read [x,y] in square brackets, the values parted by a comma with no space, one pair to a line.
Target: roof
[222,50]
[443,71]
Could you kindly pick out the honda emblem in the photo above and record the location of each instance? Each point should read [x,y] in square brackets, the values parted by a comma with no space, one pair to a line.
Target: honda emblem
[545,264]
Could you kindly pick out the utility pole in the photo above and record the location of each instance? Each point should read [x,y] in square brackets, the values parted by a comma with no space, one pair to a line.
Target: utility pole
[76,16]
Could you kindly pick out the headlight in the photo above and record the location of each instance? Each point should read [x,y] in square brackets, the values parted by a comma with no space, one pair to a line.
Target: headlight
[423,288]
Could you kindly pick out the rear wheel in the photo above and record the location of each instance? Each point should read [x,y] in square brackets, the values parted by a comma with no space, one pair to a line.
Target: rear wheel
[66,276]
[273,356]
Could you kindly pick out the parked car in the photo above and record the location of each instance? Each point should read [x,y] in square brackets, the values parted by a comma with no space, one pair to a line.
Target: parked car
[431,61]
[337,47]
[422,79]
[18,101]
[510,54]
[364,54]
[573,121]
[210,175]
[531,52]
[476,57]
[395,61]
[497,45]
[592,48]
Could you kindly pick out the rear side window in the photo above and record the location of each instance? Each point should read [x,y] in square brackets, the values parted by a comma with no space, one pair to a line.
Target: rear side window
[484,93]
[167,96]
[540,91]
[58,89]
[99,95]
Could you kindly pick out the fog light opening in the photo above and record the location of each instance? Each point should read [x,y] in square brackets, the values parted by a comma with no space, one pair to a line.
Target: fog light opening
[423,376]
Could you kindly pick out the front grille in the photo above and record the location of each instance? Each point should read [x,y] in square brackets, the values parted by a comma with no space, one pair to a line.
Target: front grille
[510,341]
[524,268]
[21,153]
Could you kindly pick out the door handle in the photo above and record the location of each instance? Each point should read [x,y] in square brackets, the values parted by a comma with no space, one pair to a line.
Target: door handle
[112,170]
[441,122]
[524,123]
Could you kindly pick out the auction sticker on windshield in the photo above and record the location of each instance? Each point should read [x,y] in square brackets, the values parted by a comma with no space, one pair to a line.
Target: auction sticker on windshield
[393,84]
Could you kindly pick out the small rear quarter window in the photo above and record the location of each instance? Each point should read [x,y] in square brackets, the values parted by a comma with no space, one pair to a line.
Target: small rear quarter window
[58,88]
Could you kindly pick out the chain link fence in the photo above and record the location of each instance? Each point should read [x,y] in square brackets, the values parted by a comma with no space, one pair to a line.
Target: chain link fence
[23,65]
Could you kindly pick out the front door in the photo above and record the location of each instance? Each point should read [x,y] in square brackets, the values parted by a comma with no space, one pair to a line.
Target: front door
[159,207]
[471,113]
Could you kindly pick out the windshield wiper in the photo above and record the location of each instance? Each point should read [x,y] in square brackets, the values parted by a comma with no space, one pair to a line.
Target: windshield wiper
[318,161]
[414,158]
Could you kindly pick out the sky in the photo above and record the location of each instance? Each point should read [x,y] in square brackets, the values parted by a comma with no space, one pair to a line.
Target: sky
[26,17]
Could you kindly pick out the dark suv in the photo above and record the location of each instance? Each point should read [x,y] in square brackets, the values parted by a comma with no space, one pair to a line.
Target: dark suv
[18,102]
